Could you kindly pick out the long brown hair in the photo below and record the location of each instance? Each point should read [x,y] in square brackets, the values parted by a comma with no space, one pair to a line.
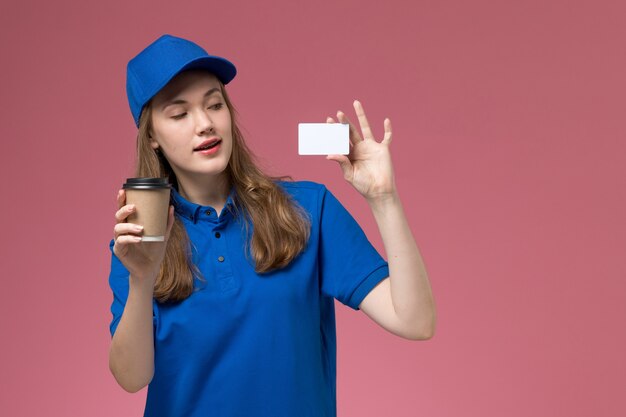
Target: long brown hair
[278,235]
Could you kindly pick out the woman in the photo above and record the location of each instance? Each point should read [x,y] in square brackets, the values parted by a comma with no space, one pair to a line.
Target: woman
[233,315]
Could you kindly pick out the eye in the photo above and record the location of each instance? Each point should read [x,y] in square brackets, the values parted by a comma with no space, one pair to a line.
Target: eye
[179,116]
[218,106]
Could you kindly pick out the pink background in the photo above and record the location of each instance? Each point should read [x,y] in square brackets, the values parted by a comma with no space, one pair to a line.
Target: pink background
[509,151]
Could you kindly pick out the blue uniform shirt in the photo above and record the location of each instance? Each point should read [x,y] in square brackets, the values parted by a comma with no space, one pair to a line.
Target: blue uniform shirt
[250,345]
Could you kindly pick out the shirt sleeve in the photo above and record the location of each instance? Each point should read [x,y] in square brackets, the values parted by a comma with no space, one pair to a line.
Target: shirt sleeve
[118,281]
[349,264]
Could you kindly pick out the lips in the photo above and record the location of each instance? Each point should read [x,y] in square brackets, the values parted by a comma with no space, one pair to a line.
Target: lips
[207,143]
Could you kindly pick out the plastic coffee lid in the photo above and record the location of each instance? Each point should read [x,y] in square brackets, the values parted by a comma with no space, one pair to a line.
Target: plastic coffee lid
[147,183]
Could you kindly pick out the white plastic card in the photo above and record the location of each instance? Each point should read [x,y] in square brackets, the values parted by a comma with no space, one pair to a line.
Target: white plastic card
[323,139]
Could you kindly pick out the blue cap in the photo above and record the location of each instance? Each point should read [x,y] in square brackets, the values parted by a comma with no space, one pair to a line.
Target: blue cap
[149,71]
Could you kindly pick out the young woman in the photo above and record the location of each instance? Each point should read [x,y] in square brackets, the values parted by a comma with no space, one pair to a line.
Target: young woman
[233,315]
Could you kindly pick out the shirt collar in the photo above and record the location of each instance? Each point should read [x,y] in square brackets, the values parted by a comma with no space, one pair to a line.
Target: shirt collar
[197,212]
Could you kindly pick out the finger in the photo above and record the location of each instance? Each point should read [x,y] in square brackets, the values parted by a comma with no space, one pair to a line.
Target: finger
[387,138]
[121,198]
[354,134]
[127,240]
[124,212]
[344,163]
[365,126]
[126,228]
[331,120]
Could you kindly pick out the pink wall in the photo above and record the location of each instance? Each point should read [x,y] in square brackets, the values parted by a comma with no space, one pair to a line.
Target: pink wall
[509,150]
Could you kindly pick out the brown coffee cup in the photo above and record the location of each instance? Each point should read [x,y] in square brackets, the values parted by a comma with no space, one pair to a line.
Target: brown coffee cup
[151,197]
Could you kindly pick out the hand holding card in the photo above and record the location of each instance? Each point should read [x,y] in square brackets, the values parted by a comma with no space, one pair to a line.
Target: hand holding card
[367,167]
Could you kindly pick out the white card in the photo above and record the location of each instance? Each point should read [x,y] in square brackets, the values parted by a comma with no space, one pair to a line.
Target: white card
[323,139]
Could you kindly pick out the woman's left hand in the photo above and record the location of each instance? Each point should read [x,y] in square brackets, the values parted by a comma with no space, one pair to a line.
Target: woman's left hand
[368,165]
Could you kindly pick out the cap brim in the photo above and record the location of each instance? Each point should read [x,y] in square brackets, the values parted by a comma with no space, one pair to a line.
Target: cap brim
[223,69]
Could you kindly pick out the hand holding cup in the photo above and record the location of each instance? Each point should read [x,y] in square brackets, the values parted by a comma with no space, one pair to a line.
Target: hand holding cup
[142,258]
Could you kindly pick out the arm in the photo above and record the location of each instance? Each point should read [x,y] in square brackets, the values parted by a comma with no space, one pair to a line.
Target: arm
[407,292]
[131,357]
[402,303]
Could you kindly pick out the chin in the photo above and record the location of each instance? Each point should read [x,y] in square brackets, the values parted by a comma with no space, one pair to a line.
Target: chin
[217,170]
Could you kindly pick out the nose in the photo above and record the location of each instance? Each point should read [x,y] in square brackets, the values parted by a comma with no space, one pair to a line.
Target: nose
[203,121]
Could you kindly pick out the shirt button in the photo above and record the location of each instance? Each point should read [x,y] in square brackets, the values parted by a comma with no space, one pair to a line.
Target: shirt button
[221,259]
[208,212]
[217,234]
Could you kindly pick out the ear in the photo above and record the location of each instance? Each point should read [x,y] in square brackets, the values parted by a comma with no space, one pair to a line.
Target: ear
[153,143]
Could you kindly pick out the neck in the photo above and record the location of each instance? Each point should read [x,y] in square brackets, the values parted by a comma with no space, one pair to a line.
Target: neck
[208,191]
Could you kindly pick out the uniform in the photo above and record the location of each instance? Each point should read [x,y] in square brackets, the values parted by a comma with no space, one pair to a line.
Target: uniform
[255,345]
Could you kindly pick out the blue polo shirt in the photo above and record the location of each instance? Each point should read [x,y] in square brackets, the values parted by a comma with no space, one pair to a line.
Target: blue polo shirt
[255,345]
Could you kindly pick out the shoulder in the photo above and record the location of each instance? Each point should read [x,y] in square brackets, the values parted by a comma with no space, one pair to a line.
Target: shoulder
[309,194]
[315,197]
[301,185]
[302,189]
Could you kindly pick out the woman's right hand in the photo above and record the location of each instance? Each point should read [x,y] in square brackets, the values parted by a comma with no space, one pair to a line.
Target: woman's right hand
[142,259]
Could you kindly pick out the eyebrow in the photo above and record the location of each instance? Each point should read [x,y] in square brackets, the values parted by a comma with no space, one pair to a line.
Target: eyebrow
[180,101]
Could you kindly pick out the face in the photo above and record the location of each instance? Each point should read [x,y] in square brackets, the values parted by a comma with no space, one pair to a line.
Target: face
[188,111]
